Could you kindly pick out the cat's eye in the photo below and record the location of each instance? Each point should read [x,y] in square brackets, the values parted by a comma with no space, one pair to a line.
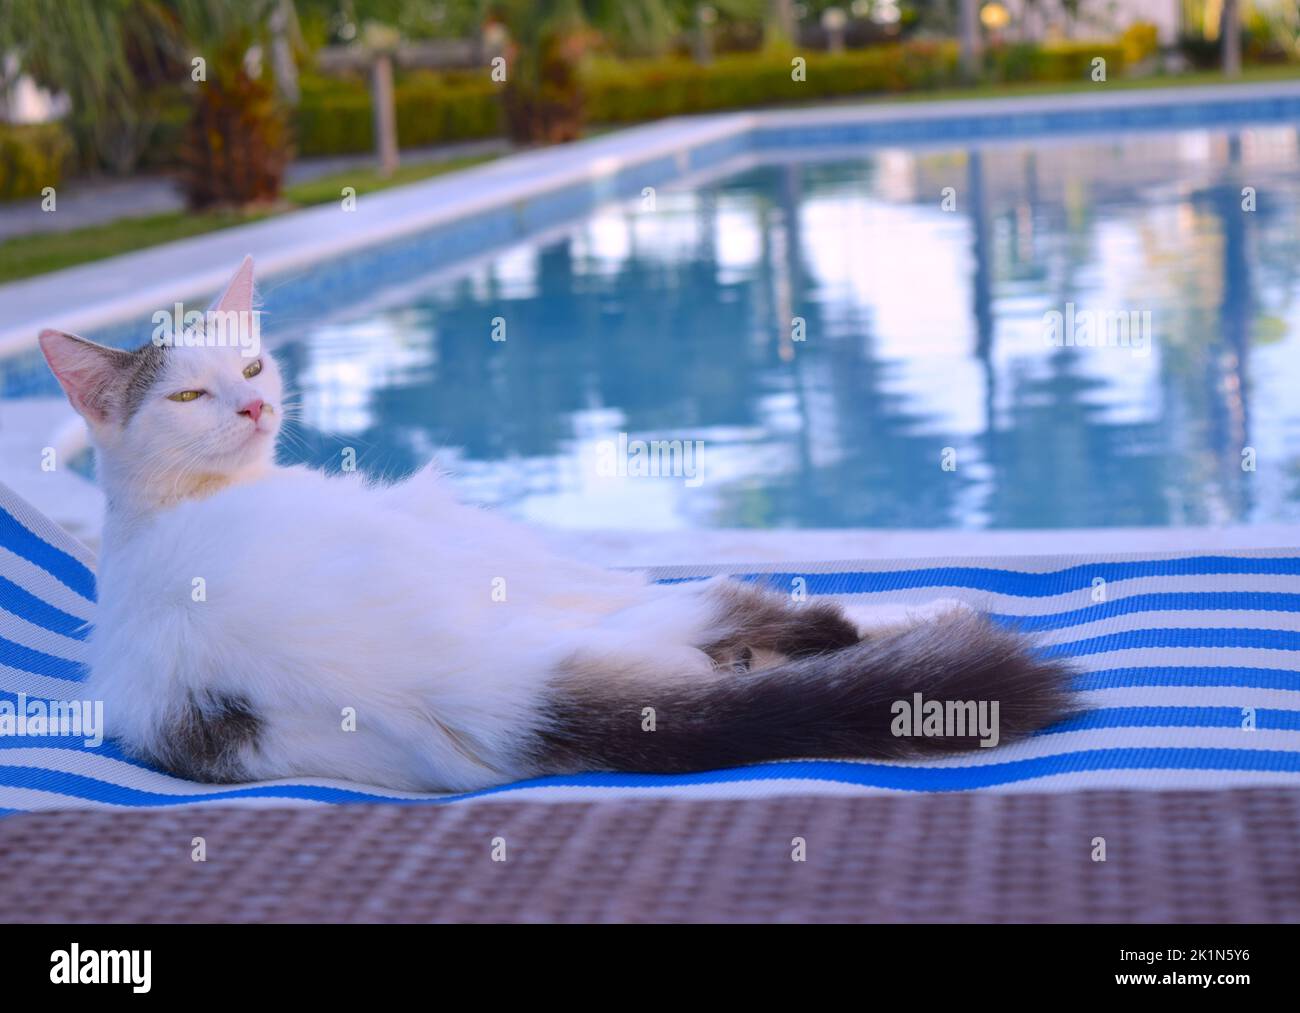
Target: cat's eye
[185,395]
[252,369]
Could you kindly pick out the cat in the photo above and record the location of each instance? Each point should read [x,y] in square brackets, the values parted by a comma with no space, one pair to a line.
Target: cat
[257,622]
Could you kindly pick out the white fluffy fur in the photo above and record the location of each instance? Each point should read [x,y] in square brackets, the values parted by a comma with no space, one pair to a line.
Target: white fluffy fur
[323,594]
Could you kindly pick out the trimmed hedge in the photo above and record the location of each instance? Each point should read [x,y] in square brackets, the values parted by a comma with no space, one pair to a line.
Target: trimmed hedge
[1056,62]
[627,92]
[334,116]
[1140,40]
[32,157]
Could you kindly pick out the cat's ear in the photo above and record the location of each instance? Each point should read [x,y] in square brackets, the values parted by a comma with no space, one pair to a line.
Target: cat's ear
[89,374]
[238,294]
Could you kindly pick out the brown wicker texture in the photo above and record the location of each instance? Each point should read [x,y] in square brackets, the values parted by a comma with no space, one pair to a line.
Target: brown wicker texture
[1226,856]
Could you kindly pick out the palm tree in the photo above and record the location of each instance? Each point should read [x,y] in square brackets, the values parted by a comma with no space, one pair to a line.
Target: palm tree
[548,38]
[237,140]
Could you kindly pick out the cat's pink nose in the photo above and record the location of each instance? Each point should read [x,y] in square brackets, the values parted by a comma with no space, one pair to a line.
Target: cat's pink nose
[253,409]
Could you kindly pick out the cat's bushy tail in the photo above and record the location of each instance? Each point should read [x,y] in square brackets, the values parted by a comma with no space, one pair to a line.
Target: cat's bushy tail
[842,703]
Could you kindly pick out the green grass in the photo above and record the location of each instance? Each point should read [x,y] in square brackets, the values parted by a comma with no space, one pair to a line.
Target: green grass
[25,256]
[39,253]
[329,188]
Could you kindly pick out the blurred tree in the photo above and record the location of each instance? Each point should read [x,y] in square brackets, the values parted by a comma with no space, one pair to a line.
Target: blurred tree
[110,59]
[236,145]
[120,62]
[339,22]
[548,38]
[543,91]
[237,140]
[640,27]
[1279,22]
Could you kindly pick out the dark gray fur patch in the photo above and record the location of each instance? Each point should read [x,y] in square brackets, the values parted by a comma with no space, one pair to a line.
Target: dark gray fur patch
[141,374]
[206,740]
[748,619]
[835,704]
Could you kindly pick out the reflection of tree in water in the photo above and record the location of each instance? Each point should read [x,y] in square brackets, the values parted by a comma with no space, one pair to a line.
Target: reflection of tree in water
[576,341]
[1225,259]
[1055,458]
[880,459]
[1059,462]
[671,347]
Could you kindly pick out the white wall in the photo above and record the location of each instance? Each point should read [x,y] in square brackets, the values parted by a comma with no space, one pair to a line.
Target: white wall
[30,104]
[1096,17]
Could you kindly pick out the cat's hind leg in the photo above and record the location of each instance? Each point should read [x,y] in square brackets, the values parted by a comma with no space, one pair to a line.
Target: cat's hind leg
[752,627]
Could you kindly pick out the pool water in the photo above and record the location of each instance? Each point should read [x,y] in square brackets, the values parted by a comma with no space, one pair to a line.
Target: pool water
[919,387]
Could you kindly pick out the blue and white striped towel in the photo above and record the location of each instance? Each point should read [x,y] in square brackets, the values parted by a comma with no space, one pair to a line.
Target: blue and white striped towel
[1188,664]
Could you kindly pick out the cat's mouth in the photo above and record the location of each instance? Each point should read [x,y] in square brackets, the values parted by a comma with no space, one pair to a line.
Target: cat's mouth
[252,439]
[267,428]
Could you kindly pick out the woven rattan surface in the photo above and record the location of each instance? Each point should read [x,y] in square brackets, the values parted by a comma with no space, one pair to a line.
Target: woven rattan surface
[1170,856]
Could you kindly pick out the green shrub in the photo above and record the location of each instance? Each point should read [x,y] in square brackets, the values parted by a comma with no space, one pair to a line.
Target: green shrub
[1061,61]
[626,92]
[334,116]
[1016,62]
[336,124]
[1069,60]
[1140,40]
[32,157]
[430,111]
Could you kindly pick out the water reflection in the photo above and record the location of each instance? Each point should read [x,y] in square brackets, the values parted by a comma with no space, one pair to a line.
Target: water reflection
[923,333]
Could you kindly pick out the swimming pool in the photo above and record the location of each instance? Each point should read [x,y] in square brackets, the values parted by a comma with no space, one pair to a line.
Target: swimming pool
[925,391]
[843,335]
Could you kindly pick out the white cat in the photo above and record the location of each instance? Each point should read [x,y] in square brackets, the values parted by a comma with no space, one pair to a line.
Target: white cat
[260,622]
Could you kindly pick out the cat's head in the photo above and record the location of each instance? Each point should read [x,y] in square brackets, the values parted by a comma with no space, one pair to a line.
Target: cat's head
[182,415]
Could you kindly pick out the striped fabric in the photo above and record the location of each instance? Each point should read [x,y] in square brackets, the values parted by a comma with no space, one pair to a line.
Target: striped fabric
[1187,663]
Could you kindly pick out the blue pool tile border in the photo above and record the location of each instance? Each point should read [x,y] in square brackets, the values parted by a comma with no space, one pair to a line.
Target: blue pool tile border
[1032,122]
